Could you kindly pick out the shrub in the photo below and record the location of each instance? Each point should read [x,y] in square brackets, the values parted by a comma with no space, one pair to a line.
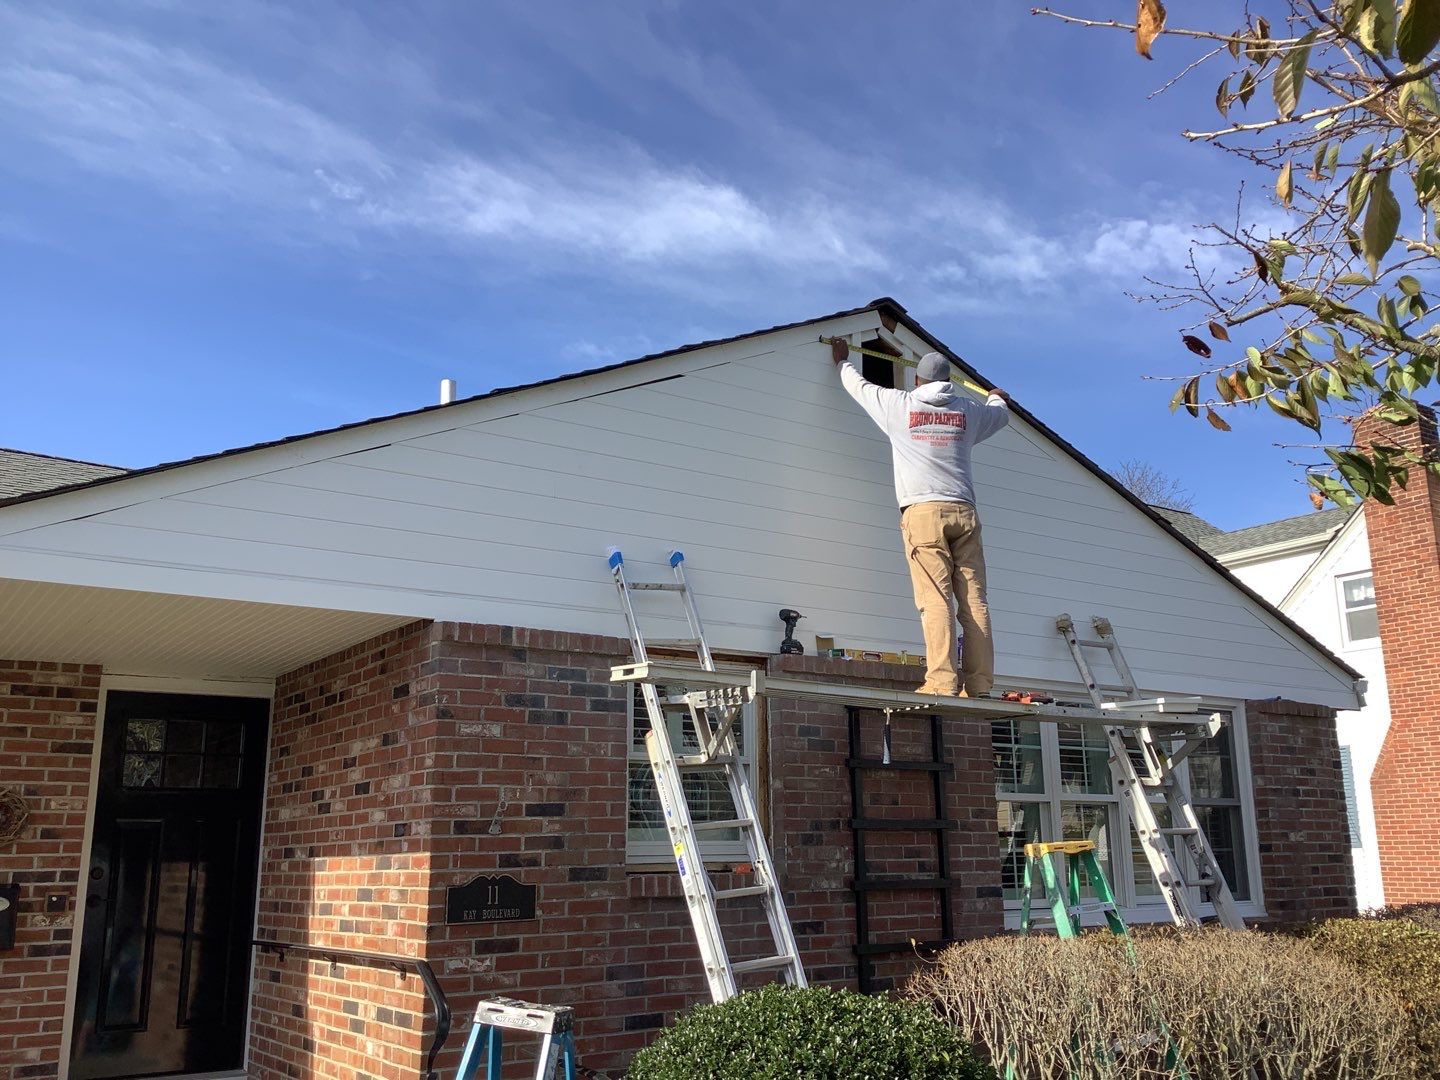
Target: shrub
[1403,955]
[815,1034]
[1230,1001]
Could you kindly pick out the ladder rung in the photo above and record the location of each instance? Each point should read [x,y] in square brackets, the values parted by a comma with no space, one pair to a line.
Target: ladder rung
[901,883]
[695,761]
[768,963]
[1201,883]
[880,948]
[742,892]
[730,823]
[672,643]
[655,586]
[1182,830]
[904,824]
[917,766]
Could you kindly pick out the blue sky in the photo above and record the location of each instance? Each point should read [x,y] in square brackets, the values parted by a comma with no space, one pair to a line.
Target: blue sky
[221,224]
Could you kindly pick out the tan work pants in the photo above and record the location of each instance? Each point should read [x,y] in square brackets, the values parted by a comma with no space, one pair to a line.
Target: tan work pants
[942,546]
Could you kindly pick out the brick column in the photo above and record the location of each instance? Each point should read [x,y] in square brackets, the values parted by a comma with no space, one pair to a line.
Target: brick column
[47,728]
[1405,562]
[1304,833]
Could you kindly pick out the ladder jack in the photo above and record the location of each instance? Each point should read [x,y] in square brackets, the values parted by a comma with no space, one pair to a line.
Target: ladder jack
[1142,761]
[712,713]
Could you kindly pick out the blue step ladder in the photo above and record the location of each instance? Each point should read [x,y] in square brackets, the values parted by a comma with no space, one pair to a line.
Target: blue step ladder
[494,1016]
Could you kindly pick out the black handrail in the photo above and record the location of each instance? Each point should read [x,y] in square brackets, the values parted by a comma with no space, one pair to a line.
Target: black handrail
[402,964]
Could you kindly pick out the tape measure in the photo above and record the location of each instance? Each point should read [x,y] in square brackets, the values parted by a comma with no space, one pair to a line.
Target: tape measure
[901,360]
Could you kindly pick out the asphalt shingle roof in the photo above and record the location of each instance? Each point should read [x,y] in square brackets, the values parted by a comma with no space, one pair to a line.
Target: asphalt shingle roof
[1320,524]
[1191,526]
[23,473]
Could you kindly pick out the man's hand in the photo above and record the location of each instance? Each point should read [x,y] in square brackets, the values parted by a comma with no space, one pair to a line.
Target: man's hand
[1001,394]
[839,351]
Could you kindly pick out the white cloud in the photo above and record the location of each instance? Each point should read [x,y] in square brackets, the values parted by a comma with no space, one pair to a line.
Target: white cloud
[176,119]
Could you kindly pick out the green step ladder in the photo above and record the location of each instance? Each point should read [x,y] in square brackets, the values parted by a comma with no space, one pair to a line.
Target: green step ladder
[1065,906]
[1068,912]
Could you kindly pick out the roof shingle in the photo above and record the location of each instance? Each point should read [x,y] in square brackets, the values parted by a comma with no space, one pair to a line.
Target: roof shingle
[23,473]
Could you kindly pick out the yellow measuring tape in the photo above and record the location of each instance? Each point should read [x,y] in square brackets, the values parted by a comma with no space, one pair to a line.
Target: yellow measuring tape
[902,360]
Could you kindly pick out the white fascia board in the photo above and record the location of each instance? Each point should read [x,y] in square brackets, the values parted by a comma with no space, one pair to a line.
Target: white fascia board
[1283,549]
[241,463]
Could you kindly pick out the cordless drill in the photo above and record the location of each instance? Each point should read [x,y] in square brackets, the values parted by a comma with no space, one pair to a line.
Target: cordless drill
[789,646]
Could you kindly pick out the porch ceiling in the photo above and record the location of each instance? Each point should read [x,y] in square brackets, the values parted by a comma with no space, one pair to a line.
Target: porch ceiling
[145,633]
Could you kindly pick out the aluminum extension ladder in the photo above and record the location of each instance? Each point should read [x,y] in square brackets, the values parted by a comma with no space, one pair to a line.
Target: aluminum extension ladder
[1139,763]
[713,714]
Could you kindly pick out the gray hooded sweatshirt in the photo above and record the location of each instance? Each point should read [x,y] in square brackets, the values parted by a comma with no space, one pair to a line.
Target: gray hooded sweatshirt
[932,430]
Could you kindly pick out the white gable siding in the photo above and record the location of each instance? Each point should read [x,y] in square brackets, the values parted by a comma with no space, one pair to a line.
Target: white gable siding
[748,456]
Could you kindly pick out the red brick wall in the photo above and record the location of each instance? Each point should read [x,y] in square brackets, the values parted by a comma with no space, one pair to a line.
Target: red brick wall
[345,862]
[496,750]
[47,728]
[1405,562]
[1304,834]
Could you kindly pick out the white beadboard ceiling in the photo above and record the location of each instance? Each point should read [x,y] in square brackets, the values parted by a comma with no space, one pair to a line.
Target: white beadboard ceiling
[142,633]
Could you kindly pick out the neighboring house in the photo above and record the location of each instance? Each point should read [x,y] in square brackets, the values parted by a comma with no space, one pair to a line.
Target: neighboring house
[309,685]
[1365,591]
[1316,568]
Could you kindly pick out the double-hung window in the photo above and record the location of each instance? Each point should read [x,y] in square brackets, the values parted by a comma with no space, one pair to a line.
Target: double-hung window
[706,791]
[1053,783]
[1358,614]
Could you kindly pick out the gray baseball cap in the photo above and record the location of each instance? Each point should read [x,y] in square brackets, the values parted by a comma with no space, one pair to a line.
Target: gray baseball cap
[933,368]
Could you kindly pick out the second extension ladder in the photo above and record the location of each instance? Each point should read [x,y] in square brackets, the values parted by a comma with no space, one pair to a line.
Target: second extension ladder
[1140,764]
[713,714]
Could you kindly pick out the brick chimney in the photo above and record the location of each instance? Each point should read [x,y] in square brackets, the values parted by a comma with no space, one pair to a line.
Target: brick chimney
[1405,562]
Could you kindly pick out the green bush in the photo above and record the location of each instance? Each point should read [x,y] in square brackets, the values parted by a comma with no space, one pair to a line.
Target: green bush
[1228,1001]
[1402,955]
[811,1034]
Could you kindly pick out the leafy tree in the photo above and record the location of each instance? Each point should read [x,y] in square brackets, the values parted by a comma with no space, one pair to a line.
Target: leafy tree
[1336,103]
[1149,484]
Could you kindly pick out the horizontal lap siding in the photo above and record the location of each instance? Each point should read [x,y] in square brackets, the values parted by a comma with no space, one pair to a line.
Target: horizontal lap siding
[767,475]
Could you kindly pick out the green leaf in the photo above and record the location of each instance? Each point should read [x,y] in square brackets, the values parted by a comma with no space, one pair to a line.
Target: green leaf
[1424,95]
[1290,76]
[1337,387]
[1358,191]
[1382,221]
[1223,97]
[1353,279]
[1332,159]
[1408,285]
[1376,29]
[1419,30]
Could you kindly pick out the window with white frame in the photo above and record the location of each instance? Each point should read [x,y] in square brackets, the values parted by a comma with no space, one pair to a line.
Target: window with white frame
[1053,783]
[1357,608]
[706,791]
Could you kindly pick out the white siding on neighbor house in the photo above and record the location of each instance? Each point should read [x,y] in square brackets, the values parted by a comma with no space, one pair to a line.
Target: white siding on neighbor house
[1316,605]
[749,457]
[1274,578]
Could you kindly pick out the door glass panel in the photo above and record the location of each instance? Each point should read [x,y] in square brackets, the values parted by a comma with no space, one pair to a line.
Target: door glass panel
[222,772]
[184,735]
[145,735]
[142,770]
[224,737]
[1221,825]
[132,903]
[182,770]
